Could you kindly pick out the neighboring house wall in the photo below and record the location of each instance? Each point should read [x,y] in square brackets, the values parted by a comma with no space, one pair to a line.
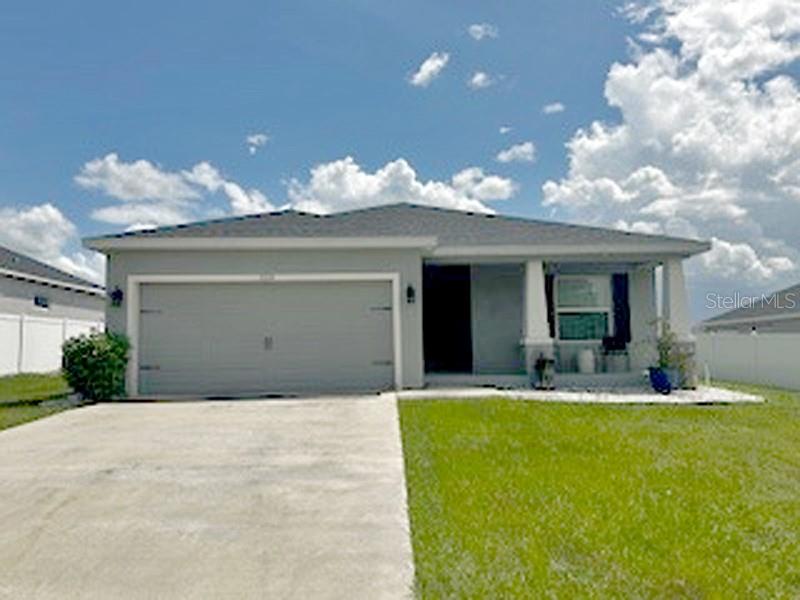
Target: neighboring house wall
[407,263]
[17,298]
[762,358]
[497,297]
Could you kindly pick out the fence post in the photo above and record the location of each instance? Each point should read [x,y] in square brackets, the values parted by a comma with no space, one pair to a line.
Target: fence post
[756,366]
[21,346]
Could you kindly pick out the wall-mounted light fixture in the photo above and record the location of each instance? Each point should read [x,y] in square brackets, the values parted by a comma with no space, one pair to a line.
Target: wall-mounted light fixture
[116,296]
[411,295]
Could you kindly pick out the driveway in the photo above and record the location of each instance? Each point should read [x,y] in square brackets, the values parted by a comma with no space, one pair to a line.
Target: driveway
[241,499]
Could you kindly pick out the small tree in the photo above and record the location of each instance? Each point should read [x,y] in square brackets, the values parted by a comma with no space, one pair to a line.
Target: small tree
[94,365]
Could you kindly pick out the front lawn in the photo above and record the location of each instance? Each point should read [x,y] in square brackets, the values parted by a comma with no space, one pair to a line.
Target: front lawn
[17,414]
[21,395]
[32,387]
[525,499]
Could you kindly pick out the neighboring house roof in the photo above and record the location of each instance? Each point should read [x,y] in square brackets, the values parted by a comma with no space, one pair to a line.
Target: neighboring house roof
[20,266]
[441,227]
[783,304]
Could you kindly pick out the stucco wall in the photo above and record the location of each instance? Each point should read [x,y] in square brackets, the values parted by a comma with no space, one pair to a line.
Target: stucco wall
[407,262]
[16,298]
[496,297]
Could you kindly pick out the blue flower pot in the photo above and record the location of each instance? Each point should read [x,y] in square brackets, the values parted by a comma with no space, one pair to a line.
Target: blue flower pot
[660,380]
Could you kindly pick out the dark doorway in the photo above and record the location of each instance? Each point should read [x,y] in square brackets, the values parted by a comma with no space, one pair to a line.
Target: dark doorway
[446,319]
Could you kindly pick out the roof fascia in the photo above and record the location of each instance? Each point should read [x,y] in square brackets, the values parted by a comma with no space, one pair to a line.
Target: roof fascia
[753,319]
[52,282]
[555,251]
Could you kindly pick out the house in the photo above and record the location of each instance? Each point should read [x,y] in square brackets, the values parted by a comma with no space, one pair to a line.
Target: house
[778,312]
[756,341]
[390,296]
[40,307]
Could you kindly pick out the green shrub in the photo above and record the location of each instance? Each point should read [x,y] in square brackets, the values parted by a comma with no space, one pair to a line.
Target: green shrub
[94,365]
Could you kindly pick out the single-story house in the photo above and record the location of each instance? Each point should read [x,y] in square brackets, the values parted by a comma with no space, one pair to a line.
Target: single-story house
[41,306]
[776,312]
[393,296]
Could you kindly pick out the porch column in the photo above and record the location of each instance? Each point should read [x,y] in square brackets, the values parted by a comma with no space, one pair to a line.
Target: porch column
[644,318]
[676,313]
[536,338]
[676,300]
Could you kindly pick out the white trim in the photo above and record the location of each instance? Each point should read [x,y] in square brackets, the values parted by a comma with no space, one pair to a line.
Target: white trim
[134,300]
[554,251]
[52,282]
[258,243]
[428,243]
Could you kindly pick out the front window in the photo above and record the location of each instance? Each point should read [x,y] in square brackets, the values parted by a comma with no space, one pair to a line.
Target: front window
[583,307]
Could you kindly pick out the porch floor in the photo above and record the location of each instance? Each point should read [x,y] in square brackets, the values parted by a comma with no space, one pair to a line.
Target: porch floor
[632,395]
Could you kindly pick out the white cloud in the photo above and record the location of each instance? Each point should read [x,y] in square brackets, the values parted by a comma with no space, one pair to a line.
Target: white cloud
[707,142]
[242,201]
[44,233]
[481,31]
[255,141]
[151,196]
[473,183]
[735,39]
[505,129]
[480,80]
[430,69]
[344,184]
[553,108]
[524,152]
[733,260]
[137,180]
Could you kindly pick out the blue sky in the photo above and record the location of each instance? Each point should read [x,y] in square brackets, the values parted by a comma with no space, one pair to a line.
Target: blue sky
[177,83]
[180,84]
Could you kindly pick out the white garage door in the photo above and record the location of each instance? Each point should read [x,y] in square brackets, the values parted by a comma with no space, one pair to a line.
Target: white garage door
[256,338]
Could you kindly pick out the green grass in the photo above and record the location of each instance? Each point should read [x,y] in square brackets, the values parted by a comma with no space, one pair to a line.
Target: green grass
[33,387]
[516,499]
[17,414]
[20,396]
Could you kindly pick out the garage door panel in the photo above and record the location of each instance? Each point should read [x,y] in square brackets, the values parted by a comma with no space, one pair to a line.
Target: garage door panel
[252,338]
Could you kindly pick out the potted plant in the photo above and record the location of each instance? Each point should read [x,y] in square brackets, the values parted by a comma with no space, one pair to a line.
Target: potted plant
[671,370]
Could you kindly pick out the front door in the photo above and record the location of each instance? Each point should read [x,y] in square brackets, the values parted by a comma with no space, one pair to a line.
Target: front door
[447,319]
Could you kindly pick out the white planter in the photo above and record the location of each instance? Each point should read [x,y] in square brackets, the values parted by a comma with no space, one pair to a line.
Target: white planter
[586,361]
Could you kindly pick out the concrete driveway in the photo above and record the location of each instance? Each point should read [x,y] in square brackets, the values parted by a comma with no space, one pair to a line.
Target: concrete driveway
[241,499]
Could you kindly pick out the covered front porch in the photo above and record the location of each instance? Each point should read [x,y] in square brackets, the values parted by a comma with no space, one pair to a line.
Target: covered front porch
[487,323]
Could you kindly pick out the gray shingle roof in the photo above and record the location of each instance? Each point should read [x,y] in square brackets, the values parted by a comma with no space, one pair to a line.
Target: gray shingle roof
[782,302]
[450,227]
[25,265]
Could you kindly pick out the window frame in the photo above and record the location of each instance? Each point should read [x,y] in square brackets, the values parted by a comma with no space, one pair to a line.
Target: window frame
[607,310]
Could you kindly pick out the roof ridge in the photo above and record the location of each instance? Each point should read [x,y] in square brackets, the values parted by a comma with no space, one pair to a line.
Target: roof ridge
[402,218]
[748,310]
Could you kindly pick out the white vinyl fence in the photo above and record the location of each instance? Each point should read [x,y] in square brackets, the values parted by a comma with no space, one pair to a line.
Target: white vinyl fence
[32,344]
[762,358]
